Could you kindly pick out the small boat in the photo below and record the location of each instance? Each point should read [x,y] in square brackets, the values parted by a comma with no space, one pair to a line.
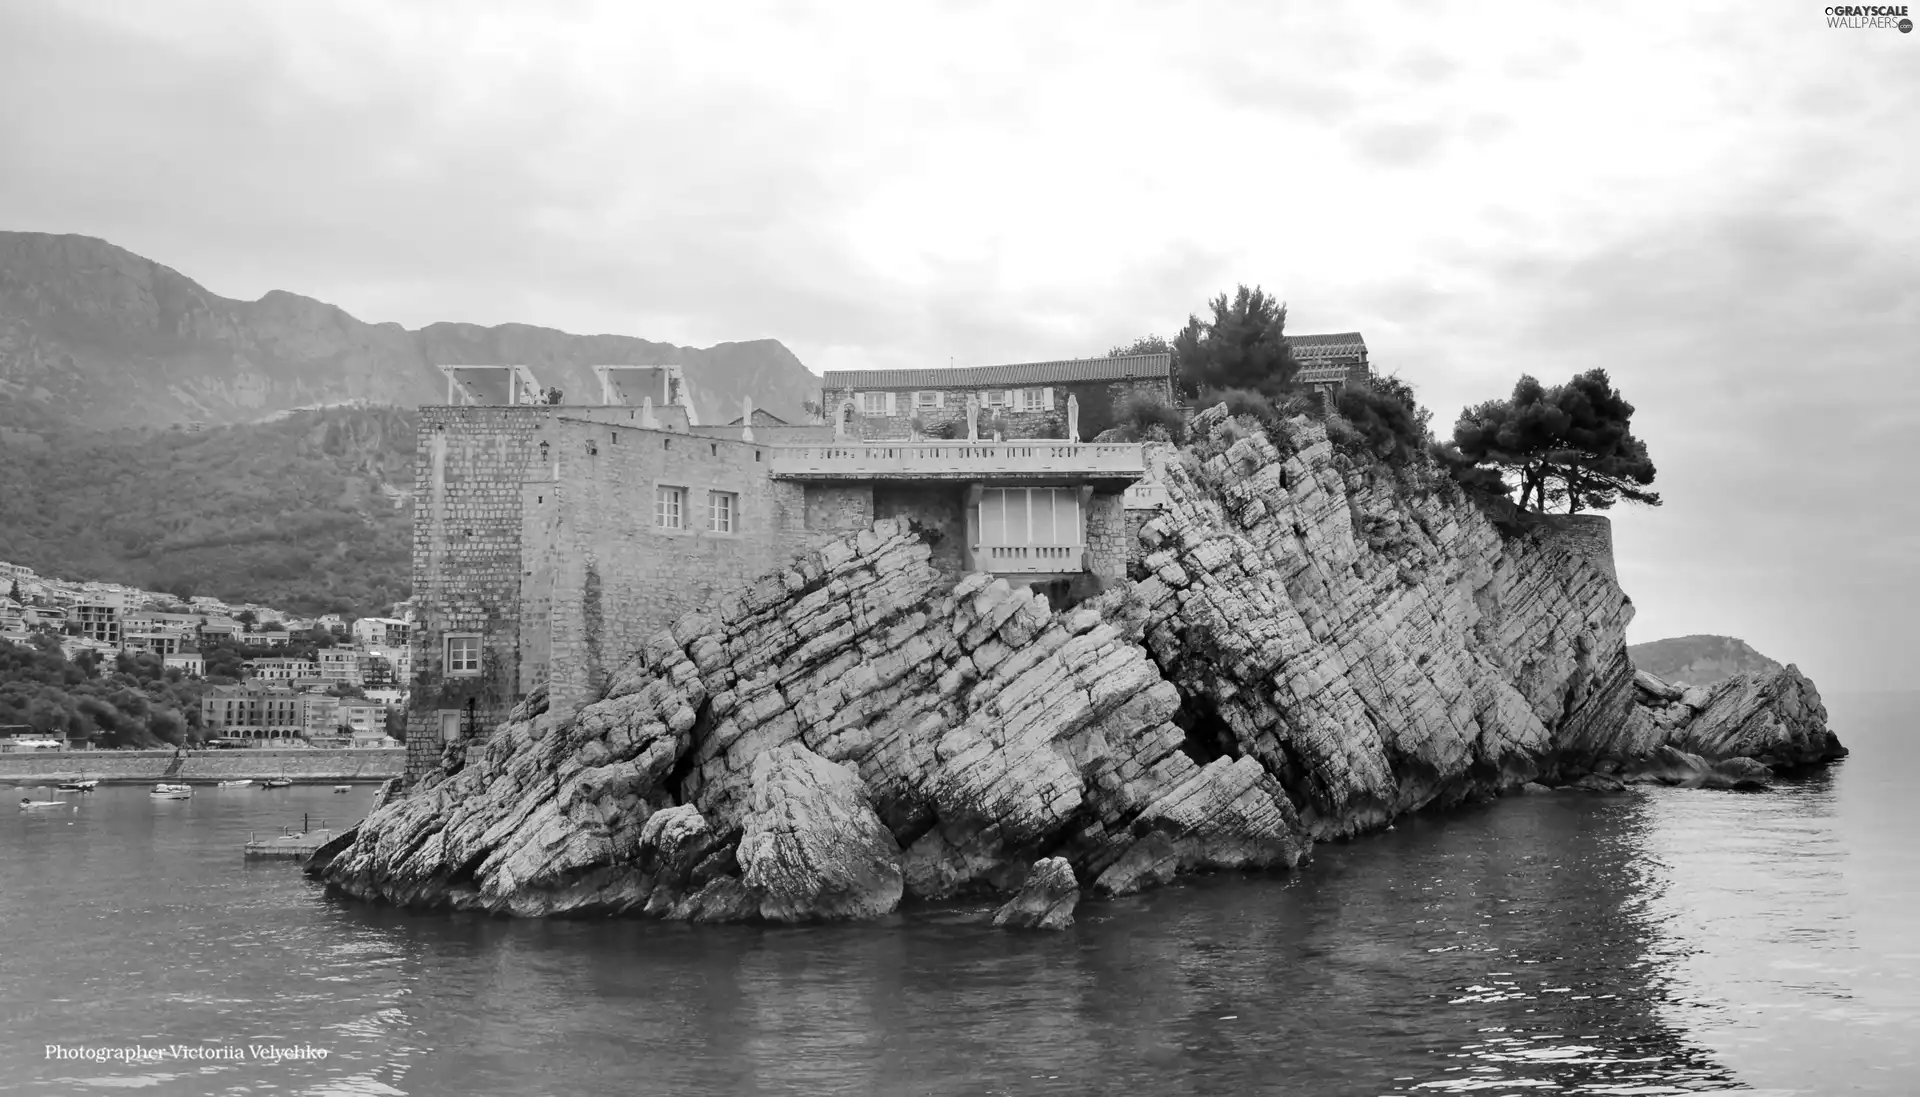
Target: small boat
[171,792]
[28,804]
[242,783]
[275,782]
[77,786]
[343,788]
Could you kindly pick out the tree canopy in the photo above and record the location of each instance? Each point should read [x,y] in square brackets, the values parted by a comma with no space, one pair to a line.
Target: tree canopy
[1242,347]
[1571,444]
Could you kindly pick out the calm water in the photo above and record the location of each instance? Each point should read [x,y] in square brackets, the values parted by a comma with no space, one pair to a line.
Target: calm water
[1660,942]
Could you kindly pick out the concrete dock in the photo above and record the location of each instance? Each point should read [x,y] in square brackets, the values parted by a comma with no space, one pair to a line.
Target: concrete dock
[292,847]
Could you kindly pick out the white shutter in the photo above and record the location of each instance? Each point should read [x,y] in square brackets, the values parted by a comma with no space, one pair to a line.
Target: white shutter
[1046,399]
[890,402]
[940,399]
[1012,395]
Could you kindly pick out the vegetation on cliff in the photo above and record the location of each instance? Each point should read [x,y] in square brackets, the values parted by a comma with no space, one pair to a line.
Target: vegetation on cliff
[1570,445]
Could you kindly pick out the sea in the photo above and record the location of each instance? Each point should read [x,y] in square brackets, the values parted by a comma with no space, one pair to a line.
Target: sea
[1661,941]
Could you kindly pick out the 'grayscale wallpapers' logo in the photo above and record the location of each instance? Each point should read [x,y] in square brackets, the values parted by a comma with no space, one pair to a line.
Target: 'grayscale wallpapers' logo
[1870,17]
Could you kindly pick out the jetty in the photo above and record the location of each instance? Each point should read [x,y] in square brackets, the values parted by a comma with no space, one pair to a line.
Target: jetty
[295,845]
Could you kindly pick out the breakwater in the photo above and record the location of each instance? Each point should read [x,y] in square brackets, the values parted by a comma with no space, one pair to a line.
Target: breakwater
[109,766]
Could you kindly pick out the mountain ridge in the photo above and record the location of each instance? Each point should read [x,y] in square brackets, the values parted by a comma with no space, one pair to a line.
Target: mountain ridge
[1699,660]
[92,334]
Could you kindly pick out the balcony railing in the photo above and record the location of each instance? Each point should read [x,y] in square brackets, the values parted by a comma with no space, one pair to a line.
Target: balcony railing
[1017,559]
[1019,459]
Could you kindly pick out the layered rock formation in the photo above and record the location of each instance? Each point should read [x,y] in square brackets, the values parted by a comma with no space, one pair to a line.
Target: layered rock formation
[1311,647]
[1775,718]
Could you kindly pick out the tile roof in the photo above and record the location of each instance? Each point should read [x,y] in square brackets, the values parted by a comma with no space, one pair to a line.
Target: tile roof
[1026,373]
[1331,345]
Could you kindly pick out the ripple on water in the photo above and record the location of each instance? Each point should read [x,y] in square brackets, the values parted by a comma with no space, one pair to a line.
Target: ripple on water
[1661,942]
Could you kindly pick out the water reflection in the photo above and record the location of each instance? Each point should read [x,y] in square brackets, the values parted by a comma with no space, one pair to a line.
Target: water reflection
[1660,943]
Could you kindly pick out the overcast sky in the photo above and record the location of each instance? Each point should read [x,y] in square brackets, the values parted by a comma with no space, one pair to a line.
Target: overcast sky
[1714,202]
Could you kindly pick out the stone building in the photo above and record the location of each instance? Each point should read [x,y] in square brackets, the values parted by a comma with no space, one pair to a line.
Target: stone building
[1329,362]
[1027,400]
[252,712]
[551,541]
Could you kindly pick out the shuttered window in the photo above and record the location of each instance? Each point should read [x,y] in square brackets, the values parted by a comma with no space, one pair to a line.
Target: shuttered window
[1030,516]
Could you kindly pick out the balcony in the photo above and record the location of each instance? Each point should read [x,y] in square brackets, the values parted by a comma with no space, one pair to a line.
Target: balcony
[1026,460]
[1030,559]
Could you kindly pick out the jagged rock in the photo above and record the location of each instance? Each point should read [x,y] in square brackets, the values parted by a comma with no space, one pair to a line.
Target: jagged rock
[1045,901]
[1534,788]
[813,849]
[1309,647]
[1775,718]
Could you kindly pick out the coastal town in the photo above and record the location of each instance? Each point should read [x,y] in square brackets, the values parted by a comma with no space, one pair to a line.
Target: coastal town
[268,678]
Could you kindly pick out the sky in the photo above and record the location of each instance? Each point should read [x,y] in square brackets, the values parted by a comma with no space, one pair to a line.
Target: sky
[1714,202]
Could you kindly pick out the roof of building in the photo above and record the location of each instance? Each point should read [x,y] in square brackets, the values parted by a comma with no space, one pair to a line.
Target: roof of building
[1062,372]
[762,417]
[1332,345]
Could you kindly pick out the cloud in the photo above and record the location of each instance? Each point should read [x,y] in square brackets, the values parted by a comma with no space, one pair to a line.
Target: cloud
[1399,144]
[1711,207]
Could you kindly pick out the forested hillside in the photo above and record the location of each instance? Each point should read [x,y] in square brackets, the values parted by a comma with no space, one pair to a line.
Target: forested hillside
[310,513]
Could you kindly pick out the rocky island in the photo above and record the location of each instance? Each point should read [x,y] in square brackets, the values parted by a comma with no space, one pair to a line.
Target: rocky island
[1306,646]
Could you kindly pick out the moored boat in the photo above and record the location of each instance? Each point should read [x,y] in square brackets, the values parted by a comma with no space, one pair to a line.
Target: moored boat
[171,792]
[242,783]
[77,786]
[343,788]
[28,803]
[275,782]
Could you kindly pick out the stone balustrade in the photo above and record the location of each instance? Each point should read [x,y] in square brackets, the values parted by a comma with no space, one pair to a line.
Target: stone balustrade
[1016,459]
[1030,559]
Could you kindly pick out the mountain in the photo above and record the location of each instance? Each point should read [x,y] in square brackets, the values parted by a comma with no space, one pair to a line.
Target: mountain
[308,513]
[94,335]
[1699,660]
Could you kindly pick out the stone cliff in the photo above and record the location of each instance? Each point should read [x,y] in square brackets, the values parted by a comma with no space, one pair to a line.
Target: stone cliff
[1310,647]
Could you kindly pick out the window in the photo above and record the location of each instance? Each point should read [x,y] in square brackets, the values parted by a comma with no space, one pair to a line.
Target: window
[463,655]
[1030,516]
[723,509]
[1033,399]
[449,725]
[996,398]
[669,507]
[876,403]
[929,399]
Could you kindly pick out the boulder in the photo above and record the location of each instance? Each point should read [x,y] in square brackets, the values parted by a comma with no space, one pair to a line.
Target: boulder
[812,848]
[1045,901]
[1738,773]
[1656,688]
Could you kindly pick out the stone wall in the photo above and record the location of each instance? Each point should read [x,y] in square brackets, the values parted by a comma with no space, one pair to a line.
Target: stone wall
[310,764]
[470,467]
[831,507]
[618,576]
[1589,536]
[1107,539]
[941,510]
